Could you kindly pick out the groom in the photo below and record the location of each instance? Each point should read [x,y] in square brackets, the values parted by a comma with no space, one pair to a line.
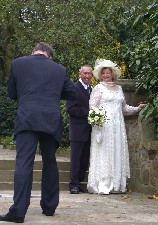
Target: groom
[80,131]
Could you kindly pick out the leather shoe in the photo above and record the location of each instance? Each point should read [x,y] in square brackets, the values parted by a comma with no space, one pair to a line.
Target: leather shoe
[83,189]
[48,213]
[10,218]
[74,190]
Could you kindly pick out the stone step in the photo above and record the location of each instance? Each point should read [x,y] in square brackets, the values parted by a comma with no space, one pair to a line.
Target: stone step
[35,186]
[7,174]
[10,165]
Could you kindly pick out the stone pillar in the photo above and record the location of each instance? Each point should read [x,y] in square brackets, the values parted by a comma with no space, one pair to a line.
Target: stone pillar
[143,146]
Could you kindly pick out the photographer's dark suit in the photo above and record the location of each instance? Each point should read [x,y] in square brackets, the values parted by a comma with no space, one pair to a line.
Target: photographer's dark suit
[38,84]
[79,135]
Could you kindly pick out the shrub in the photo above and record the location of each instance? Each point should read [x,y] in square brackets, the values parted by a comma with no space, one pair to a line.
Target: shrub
[8,142]
[7,112]
[65,139]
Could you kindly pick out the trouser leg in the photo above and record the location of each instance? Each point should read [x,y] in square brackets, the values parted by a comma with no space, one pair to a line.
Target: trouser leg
[50,175]
[75,163]
[26,144]
[84,161]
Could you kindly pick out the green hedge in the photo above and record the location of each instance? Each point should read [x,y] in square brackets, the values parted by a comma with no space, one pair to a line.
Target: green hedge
[7,112]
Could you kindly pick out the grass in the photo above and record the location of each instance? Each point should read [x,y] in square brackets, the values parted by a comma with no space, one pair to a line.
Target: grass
[8,143]
[63,151]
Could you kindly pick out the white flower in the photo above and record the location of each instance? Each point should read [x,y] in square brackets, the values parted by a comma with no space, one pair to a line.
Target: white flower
[97,116]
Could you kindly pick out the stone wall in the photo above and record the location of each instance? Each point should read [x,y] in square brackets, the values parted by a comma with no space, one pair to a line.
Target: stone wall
[143,146]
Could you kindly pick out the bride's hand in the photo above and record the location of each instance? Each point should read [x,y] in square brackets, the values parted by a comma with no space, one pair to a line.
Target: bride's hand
[99,135]
[141,105]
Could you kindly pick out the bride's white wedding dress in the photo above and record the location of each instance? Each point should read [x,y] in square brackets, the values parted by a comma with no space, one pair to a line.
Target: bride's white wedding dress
[109,157]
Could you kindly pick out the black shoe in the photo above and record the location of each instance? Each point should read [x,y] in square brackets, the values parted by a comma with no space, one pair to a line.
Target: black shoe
[74,190]
[83,189]
[48,213]
[11,218]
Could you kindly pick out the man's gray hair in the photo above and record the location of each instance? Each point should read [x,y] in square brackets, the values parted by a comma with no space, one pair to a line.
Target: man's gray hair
[86,65]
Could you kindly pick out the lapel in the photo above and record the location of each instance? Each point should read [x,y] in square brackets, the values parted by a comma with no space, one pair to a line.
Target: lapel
[83,89]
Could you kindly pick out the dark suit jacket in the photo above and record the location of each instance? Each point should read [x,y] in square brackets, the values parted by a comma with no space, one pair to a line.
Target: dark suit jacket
[38,84]
[79,129]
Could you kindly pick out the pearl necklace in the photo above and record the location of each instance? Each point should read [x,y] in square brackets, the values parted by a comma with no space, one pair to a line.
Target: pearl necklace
[110,84]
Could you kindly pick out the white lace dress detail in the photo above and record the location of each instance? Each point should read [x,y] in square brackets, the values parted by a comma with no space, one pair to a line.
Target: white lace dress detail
[109,157]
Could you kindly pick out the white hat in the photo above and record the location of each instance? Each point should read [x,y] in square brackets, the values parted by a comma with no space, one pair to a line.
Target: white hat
[103,63]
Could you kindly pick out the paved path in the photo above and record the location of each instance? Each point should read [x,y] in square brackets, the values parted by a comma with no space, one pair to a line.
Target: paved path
[90,209]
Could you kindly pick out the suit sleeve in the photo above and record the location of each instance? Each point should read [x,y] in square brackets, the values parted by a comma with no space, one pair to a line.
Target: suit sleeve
[12,91]
[69,90]
[75,109]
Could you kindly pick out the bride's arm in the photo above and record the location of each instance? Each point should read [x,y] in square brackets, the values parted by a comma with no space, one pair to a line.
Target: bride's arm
[131,110]
[95,97]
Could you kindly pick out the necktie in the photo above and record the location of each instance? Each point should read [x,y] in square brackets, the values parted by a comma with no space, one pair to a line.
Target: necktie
[88,89]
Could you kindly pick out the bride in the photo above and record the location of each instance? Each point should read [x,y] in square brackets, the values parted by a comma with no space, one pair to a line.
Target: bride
[109,157]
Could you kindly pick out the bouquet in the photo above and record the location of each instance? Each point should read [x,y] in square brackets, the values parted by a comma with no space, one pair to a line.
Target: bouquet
[97,116]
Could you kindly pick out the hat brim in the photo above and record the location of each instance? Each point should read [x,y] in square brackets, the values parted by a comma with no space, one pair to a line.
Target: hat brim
[116,73]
